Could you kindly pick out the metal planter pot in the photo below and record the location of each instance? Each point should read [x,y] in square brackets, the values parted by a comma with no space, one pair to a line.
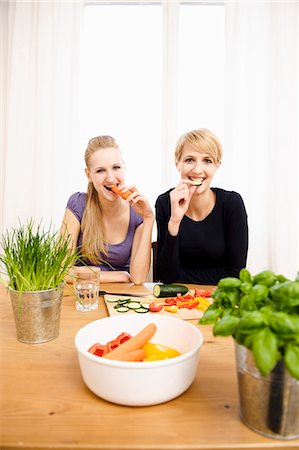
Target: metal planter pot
[268,405]
[37,314]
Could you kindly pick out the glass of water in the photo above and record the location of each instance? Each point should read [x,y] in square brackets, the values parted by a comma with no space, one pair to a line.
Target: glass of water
[87,285]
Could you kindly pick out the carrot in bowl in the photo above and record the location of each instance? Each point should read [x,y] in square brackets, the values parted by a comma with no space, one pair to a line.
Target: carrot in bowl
[134,343]
[135,356]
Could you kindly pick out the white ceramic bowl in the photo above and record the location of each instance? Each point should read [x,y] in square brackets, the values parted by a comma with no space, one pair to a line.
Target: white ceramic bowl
[139,383]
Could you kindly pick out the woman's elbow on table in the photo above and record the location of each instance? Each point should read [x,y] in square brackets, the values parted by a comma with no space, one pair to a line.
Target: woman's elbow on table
[115,276]
[138,280]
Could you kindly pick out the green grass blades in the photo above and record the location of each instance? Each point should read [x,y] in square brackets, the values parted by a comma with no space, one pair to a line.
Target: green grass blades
[35,259]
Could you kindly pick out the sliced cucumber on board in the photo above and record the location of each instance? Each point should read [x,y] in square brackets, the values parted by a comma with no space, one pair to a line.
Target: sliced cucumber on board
[118,300]
[123,309]
[145,305]
[141,310]
[133,305]
[169,290]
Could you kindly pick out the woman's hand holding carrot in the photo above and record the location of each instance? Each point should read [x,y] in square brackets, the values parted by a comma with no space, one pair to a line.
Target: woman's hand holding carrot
[138,201]
[119,191]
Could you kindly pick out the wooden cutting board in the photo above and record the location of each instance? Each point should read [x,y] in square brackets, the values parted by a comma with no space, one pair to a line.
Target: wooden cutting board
[182,313]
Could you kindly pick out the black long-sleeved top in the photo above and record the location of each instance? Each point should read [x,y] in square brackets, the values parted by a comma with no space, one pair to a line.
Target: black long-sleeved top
[203,252]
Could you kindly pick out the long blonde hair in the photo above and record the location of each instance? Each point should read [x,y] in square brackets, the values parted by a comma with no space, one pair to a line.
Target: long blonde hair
[93,230]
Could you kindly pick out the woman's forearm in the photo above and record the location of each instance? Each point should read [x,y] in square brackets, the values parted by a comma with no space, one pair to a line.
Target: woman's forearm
[106,276]
[173,227]
[141,252]
[115,276]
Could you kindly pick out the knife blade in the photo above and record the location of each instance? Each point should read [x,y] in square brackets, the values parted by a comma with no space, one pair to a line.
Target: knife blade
[125,294]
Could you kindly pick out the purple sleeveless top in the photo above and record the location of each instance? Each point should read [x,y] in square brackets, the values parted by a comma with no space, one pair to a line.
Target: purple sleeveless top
[118,254]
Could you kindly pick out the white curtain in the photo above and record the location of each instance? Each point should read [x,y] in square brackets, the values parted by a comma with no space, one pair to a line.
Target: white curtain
[261,127]
[39,128]
[40,123]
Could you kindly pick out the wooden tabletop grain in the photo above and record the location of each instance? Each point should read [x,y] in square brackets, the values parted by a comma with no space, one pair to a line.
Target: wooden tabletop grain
[46,405]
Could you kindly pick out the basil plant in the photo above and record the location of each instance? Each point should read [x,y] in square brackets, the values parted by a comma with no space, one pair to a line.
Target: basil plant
[261,312]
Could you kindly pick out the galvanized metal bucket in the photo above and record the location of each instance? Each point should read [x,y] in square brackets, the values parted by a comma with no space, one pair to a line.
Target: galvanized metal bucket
[37,314]
[268,405]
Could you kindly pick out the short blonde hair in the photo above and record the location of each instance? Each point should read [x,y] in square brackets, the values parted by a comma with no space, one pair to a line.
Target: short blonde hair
[204,141]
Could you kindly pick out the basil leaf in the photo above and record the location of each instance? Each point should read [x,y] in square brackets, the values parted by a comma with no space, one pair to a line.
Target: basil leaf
[265,351]
[230,298]
[291,359]
[229,282]
[245,276]
[247,304]
[226,326]
[267,278]
[282,323]
[251,322]
[245,287]
[210,316]
[286,294]
[259,292]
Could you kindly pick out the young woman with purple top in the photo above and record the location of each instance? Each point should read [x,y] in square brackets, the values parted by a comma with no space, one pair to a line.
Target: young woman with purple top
[111,233]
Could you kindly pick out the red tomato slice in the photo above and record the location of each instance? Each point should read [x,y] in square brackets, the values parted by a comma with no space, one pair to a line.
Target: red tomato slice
[193,305]
[155,307]
[112,345]
[188,297]
[123,337]
[203,292]
[170,301]
[98,349]
[101,350]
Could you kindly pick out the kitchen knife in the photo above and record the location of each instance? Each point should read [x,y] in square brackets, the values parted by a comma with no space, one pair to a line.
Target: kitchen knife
[125,294]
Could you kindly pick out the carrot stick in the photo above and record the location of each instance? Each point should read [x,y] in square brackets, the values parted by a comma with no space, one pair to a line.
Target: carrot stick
[124,195]
[136,355]
[134,343]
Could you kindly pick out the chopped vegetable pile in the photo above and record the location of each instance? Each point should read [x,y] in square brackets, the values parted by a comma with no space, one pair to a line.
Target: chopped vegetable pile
[198,300]
[137,349]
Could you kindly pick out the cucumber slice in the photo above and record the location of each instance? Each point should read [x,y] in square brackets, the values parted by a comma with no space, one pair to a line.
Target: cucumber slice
[141,310]
[118,300]
[119,305]
[145,305]
[133,305]
[169,290]
[123,301]
[122,309]
[197,182]
[112,300]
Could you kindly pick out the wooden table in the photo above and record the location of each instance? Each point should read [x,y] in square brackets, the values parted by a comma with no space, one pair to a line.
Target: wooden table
[46,405]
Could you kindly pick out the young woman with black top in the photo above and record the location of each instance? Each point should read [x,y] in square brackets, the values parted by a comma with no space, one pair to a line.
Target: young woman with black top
[202,231]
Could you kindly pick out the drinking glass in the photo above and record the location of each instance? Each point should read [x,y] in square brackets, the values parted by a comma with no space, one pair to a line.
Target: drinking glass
[87,285]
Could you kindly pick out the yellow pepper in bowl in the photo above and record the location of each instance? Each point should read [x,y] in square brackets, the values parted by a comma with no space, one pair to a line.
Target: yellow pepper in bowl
[156,352]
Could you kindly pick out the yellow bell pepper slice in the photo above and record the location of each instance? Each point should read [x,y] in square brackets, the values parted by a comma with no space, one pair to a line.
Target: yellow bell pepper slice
[172,308]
